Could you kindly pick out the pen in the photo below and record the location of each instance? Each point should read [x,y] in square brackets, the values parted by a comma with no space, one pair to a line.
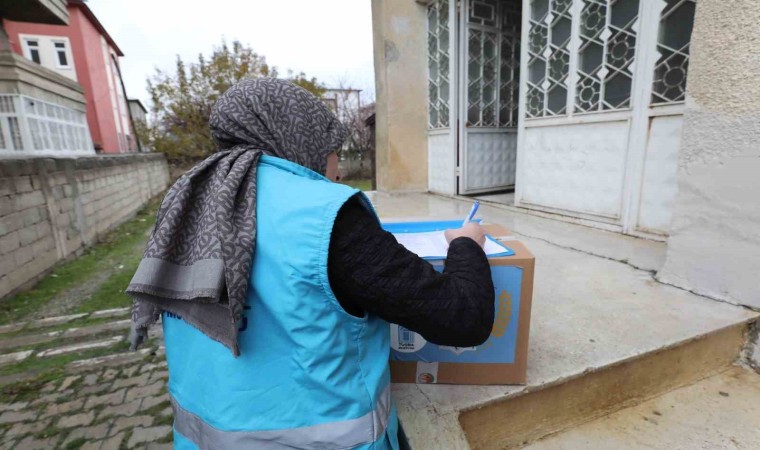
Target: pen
[472,213]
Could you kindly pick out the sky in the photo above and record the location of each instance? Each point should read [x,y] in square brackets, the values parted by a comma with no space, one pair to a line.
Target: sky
[327,39]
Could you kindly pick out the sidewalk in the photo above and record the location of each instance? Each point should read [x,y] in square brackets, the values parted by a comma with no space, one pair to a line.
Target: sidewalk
[114,401]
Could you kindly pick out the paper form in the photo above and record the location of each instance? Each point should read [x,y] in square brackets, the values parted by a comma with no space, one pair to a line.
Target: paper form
[433,244]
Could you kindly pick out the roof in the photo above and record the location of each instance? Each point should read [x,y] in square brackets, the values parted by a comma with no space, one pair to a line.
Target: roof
[139,103]
[91,16]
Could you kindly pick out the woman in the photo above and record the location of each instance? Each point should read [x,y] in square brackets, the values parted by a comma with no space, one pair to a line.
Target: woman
[257,252]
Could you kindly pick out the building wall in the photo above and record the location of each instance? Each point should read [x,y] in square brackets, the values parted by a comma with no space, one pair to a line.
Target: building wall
[137,112]
[714,245]
[51,209]
[400,42]
[106,109]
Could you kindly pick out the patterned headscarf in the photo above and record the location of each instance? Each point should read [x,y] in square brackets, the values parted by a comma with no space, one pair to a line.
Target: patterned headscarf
[199,256]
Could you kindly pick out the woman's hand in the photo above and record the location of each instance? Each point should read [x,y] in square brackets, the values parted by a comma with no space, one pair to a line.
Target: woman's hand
[472,230]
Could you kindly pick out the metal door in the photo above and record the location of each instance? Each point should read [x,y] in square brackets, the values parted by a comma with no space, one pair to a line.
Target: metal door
[488,94]
[442,98]
[598,137]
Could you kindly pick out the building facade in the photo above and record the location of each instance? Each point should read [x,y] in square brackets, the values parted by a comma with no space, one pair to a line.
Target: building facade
[138,110]
[588,111]
[84,52]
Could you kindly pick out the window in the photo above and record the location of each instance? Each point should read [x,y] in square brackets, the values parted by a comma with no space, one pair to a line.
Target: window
[493,28]
[33,50]
[438,64]
[549,57]
[673,41]
[601,78]
[62,58]
[605,58]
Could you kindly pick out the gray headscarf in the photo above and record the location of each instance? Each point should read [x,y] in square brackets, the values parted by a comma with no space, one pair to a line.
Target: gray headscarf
[199,256]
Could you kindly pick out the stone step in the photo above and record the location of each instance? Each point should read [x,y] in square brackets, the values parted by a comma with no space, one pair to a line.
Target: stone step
[62,335]
[13,358]
[80,347]
[719,412]
[114,360]
[604,336]
[60,320]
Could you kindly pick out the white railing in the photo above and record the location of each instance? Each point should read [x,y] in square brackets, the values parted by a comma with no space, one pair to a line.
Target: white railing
[32,127]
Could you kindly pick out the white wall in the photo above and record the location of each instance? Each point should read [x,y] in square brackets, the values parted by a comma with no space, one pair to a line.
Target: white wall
[714,246]
[49,55]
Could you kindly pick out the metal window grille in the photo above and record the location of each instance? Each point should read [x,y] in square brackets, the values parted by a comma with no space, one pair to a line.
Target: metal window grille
[674,38]
[606,54]
[549,57]
[493,29]
[438,64]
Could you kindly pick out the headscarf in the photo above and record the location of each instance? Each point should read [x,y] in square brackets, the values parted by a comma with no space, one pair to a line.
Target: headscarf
[200,253]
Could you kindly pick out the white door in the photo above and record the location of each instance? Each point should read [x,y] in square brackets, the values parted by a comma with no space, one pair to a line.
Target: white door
[595,141]
[473,88]
[488,94]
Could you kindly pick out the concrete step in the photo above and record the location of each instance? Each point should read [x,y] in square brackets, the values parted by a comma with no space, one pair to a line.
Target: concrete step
[603,336]
[719,412]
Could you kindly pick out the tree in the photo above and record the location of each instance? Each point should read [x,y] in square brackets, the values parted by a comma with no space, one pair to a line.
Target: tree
[353,108]
[182,100]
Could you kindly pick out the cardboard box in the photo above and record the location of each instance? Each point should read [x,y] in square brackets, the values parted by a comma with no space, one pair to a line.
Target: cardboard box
[502,359]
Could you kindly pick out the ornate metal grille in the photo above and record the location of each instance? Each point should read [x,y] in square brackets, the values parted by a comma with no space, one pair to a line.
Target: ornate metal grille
[493,47]
[606,54]
[438,64]
[549,57]
[676,22]
[509,72]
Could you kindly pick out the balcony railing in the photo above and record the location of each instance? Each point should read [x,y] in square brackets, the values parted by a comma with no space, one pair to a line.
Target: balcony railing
[32,127]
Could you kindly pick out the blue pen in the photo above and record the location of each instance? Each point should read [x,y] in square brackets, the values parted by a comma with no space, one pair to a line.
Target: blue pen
[472,213]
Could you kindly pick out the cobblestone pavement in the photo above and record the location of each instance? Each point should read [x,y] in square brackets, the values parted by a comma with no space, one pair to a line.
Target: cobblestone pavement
[110,402]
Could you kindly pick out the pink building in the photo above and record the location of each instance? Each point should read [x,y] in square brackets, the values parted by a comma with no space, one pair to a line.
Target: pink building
[84,52]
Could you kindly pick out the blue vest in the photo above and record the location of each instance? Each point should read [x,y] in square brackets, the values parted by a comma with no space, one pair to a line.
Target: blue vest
[310,375]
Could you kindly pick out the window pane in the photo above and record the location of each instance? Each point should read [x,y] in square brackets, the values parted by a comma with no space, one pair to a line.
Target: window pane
[673,42]
[62,60]
[606,55]
[35,55]
[438,64]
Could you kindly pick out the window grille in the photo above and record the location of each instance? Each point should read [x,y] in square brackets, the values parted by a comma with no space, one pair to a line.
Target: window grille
[549,57]
[493,29]
[606,54]
[438,64]
[674,37]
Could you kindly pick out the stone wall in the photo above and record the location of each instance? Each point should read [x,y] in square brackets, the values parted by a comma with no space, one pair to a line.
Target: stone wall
[714,244]
[53,208]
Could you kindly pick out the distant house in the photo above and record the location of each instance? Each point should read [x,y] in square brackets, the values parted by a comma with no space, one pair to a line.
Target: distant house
[343,102]
[138,111]
[84,52]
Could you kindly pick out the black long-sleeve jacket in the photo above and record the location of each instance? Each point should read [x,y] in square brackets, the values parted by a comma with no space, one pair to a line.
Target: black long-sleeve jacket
[370,272]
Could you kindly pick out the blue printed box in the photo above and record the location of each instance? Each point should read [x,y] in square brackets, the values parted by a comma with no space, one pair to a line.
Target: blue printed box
[502,359]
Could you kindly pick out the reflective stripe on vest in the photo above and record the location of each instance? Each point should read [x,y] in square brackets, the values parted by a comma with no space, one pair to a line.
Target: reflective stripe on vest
[344,434]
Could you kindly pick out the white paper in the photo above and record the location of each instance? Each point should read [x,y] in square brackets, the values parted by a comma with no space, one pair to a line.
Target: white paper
[433,244]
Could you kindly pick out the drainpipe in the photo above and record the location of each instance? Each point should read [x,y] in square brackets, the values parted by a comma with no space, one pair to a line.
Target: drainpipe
[126,101]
